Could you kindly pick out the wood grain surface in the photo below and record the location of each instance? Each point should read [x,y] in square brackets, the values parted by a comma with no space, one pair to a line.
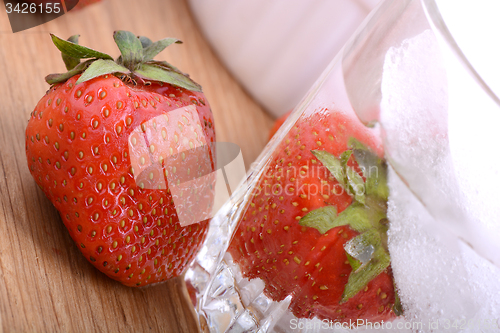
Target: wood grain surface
[45,283]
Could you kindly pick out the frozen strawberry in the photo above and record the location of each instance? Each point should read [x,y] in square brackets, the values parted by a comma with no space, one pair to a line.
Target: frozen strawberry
[316,226]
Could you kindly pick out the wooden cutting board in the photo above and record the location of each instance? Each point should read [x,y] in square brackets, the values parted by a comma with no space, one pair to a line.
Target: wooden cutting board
[45,283]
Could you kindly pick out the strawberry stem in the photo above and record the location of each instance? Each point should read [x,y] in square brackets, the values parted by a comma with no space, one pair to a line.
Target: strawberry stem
[130,48]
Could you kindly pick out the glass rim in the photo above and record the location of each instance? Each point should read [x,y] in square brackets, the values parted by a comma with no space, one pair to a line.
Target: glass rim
[438,24]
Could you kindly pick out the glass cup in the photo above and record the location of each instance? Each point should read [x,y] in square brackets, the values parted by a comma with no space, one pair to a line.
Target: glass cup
[412,87]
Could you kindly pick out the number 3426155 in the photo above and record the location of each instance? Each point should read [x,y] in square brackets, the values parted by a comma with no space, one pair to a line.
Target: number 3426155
[33,8]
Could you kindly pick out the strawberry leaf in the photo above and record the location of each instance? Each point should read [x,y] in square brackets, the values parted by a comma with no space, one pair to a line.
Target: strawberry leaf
[398,307]
[77,51]
[57,78]
[361,277]
[145,41]
[101,67]
[355,264]
[130,48]
[69,61]
[376,184]
[155,48]
[155,73]
[365,248]
[345,175]
[344,158]
[356,184]
[322,219]
[374,170]
[165,65]
[333,164]
[358,217]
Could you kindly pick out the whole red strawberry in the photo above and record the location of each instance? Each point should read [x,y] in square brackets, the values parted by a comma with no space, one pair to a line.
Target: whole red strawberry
[316,226]
[111,144]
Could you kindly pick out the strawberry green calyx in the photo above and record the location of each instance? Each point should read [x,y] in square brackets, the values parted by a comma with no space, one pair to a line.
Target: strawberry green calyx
[369,258]
[135,62]
[130,48]
[345,175]
[69,61]
[367,253]
[74,50]
[100,67]
[322,219]
[376,184]
[358,217]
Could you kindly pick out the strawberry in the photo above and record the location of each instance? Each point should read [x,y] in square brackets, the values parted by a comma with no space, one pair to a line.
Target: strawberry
[277,124]
[109,143]
[316,225]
